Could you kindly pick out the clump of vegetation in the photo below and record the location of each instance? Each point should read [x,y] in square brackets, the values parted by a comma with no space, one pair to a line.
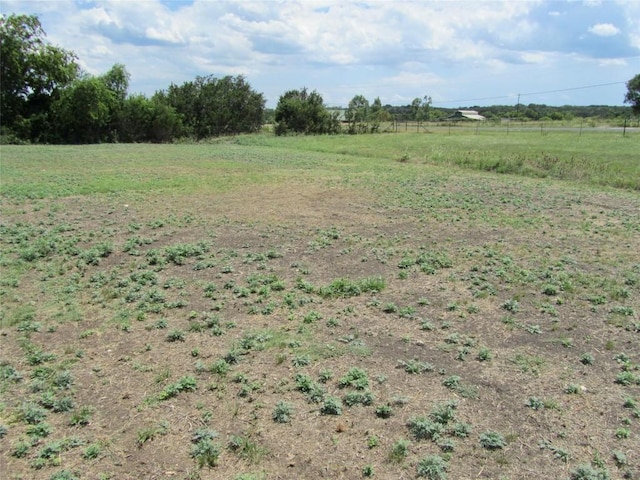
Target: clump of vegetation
[399,451]
[492,440]
[344,288]
[185,384]
[432,467]
[356,378]
[282,412]
[331,406]
[586,472]
[204,450]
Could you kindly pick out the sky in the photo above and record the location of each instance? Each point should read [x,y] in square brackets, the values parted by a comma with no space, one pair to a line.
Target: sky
[459,53]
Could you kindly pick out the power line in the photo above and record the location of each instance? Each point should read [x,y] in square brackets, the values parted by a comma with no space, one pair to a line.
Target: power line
[528,94]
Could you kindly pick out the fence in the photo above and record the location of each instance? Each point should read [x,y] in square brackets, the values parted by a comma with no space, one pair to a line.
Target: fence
[623,126]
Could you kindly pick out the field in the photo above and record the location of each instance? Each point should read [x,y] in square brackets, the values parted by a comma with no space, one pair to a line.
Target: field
[444,304]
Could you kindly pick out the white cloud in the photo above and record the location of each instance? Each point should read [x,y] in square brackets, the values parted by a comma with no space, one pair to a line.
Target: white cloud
[534,57]
[392,49]
[613,62]
[604,30]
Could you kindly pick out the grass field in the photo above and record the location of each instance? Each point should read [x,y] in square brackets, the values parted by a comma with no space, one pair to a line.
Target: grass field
[447,304]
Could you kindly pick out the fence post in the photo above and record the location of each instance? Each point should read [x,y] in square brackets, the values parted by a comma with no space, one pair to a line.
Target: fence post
[624,129]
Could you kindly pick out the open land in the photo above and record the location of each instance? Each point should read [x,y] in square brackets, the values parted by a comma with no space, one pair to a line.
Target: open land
[397,306]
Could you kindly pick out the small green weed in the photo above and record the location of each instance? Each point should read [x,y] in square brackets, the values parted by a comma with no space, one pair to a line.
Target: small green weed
[282,412]
[185,384]
[586,472]
[492,440]
[356,378]
[432,467]
[81,417]
[331,406]
[399,451]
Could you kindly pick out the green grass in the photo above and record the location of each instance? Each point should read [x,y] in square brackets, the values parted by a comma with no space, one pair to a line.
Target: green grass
[596,158]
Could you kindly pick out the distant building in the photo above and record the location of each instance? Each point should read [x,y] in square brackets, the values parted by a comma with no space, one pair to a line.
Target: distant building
[466,115]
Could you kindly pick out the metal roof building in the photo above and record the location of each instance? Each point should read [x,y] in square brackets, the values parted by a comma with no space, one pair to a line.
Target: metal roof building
[466,115]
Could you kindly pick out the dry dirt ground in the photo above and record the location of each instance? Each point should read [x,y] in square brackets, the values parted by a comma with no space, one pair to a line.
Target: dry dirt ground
[515,310]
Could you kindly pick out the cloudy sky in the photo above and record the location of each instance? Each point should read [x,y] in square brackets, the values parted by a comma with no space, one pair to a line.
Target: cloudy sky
[460,53]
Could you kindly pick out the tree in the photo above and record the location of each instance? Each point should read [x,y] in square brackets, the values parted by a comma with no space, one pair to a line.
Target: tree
[420,108]
[378,113]
[83,111]
[32,72]
[357,114]
[210,106]
[89,110]
[299,111]
[633,94]
[141,119]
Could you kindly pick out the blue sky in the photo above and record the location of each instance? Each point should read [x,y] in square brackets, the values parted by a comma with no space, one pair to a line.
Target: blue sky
[460,53]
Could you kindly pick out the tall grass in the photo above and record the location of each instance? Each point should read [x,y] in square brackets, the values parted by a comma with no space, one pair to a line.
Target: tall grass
[595,157]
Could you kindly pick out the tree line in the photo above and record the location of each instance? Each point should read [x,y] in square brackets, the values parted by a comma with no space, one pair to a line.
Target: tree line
[46,98]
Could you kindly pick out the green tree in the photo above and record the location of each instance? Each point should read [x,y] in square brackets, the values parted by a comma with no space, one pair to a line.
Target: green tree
[141,119]
[32,72]
[89,110]
[633,94]
[378,113]
[301,111]
[211,107]
[357,114]
[420,108]
[83,111]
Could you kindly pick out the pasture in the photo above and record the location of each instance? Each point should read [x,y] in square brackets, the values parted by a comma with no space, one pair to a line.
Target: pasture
[443,304]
